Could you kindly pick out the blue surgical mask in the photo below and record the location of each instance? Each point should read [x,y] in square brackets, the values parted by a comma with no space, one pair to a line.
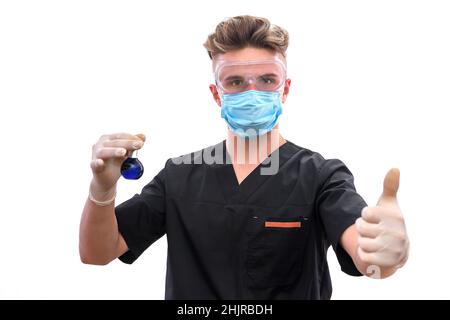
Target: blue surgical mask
[251,113]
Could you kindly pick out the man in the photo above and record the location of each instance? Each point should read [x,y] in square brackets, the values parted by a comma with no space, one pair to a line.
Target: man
[254,215]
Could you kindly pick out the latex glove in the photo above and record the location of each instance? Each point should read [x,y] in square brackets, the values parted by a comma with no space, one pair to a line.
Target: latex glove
[108,154]
[382,236]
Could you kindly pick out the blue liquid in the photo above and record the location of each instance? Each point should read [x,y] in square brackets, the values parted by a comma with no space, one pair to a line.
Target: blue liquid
[132,169]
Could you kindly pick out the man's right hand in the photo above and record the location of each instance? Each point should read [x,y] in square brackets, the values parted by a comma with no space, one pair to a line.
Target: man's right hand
[108,154]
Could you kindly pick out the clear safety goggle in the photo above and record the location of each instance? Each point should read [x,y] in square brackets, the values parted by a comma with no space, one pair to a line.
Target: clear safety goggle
[239,76]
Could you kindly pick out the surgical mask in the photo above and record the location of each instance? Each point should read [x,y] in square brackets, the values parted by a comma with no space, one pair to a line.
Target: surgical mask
[251,113]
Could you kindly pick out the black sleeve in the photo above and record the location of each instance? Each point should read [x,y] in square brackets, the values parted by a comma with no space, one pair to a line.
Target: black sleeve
[339,206]
[141,219]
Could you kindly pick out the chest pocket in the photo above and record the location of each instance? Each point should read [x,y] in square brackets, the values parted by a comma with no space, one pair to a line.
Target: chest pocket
[275,251]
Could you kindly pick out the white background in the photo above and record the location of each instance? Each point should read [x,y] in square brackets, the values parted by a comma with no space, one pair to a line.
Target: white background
[370,85]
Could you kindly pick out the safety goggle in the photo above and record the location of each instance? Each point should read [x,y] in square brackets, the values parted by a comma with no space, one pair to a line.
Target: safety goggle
[239,76]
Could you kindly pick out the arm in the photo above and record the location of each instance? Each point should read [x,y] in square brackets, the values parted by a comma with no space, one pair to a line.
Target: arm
[378,242]
[100,241]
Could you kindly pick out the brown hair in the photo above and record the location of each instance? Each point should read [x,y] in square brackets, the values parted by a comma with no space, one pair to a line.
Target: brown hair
[246,31]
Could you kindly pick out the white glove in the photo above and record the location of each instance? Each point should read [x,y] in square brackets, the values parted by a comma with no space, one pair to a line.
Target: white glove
[382,237]
[108,154]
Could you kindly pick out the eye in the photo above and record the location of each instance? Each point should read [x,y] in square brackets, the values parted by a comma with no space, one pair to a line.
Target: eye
[235,83]
[267,80]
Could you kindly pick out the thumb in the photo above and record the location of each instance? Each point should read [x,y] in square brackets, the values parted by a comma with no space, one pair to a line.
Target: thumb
[390,187]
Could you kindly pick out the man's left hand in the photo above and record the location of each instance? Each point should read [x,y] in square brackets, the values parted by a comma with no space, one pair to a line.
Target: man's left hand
[382,236]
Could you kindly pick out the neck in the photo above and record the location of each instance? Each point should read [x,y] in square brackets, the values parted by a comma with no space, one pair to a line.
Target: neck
[253,151]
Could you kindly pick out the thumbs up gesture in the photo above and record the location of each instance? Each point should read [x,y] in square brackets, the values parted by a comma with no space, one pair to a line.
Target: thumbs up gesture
[382,237]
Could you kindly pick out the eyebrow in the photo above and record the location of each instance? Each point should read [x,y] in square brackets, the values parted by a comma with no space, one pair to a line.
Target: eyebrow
[232,77]
[270,75]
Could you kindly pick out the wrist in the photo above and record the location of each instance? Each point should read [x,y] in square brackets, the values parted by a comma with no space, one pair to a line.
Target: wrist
[100,196]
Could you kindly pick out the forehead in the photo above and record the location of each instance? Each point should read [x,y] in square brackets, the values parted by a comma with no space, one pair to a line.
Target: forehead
[247,54]
[255,68]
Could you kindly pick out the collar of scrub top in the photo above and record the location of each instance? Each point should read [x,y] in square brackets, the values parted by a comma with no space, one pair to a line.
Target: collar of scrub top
[220,64]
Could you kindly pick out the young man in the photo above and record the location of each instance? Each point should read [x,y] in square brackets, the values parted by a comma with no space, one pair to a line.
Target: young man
[254,215]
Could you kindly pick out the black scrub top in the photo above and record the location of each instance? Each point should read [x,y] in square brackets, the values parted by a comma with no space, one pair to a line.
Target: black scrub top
[266,238]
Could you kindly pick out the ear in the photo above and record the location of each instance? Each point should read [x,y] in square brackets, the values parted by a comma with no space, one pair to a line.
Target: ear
[287,85]
[215,94]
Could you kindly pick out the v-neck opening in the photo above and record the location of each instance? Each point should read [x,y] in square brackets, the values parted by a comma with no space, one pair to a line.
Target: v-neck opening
[234,191]
[258,167]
